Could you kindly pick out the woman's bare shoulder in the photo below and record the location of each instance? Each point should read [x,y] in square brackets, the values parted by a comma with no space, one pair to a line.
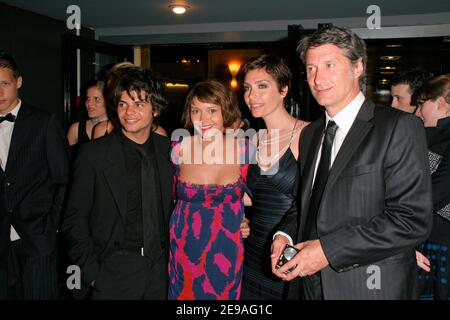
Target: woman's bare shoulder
[72,133]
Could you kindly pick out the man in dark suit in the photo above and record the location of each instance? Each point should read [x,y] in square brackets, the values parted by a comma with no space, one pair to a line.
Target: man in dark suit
[364,194]
[33,177]
[116,222]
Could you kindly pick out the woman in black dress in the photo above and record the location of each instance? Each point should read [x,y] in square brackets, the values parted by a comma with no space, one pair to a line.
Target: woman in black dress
[271,180]
[80,132]
[433,100]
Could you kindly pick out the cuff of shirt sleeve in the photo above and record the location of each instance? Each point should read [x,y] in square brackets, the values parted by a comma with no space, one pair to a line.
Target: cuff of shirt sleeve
[285,235]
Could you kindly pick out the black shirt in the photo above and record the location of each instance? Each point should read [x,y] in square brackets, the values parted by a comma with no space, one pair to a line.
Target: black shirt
[134,219]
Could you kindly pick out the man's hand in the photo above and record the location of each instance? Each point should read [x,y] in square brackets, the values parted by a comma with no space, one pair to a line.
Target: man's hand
[310,260]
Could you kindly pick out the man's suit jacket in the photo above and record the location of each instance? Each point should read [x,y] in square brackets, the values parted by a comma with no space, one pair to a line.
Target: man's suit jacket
[34,181]
[94,223]
[376,206]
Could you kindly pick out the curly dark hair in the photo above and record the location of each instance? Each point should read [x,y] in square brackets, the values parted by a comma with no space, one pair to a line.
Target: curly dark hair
[140,80]
[414,77]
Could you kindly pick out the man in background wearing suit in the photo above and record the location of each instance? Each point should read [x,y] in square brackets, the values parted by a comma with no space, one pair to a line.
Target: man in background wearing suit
[33,177]
[116,222]
[364,199]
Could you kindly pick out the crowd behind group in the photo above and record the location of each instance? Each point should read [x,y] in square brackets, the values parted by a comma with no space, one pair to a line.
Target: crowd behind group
[213,213]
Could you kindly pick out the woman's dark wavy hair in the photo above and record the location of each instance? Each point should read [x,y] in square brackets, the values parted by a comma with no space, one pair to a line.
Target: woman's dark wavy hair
[274,66]
[433,89]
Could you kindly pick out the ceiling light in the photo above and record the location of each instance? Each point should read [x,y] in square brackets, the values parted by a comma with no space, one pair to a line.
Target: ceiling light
[393,45]
[390,58]
[388,68]
[177,85]
[179,8]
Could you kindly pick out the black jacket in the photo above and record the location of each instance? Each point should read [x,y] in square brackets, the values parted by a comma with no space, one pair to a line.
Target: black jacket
[376,206]
[95,217]
[34,181]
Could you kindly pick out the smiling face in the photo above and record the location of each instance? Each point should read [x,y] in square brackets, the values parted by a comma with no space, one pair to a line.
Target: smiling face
[135,115]
[9,90]
[431,111]
[332,77]
[206,116]
[95,103]
[261,93]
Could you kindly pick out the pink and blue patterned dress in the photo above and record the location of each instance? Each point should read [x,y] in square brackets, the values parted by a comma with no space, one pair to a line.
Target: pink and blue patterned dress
[206,245]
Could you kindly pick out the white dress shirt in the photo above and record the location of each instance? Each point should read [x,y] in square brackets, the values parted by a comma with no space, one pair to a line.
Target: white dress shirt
[344,120]
[6,130]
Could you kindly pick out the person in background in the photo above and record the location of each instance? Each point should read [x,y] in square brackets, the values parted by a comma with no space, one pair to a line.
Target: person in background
[403,86]
[206,240]
[433,99]
[34,161]
[267,80]
[80,132]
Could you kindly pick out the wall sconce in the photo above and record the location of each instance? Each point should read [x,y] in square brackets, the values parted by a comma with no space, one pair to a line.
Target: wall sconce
[179,8]
[234,69]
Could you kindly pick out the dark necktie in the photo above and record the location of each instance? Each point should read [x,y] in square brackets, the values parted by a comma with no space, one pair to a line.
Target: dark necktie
[150,208]
[9,117]
[320,182]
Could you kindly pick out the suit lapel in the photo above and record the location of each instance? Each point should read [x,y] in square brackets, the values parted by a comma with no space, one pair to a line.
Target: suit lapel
[358,131]
[164,173]
[22,128]
[309,151]
[115,173]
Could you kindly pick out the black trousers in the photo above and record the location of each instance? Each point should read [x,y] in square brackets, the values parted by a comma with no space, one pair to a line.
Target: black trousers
[31,276]
[312,287]
[127,275]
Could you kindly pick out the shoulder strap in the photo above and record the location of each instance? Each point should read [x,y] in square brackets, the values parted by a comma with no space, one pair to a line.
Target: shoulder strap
[293,133]
[106,129]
